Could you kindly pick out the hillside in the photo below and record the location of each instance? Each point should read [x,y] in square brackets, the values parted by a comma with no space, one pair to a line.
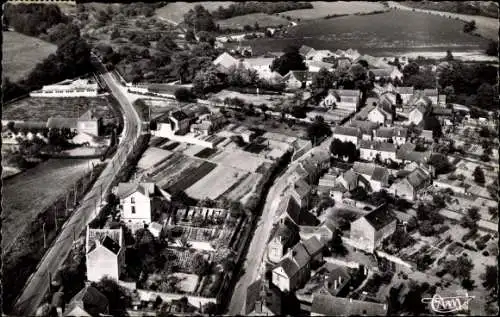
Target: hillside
[482,8]
[175,11]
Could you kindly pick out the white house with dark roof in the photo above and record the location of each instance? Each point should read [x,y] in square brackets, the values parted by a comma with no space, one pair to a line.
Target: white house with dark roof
[432,94]
[328,305]
[369,231]
[383,135]
[345,99]
[88,123]
[367,128]
[296,79]
[380,115]
[285,236]
[409,187]
[318,55]
[347,134]
[105,253]
[406,93]
[369,150]
[416,114]
[225,61]
[400,136]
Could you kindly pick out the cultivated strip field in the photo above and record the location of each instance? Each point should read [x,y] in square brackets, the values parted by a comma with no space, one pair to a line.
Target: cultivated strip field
[21,53]
[40,109]
[239,159]
[190,176]
[246,186]
[215,183]
[322,9]
[264,20]
[152,157]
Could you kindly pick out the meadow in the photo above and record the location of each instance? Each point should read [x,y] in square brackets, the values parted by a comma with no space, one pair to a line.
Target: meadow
[264,20]
[376,34]
[322,9]
[21,53]
[175,11]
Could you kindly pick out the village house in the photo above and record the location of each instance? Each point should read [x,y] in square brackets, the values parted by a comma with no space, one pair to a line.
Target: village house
[416,114]
[369,231]
[207,123]
[318,55]
[305,51]
[87,123]
[285,237]
[225,61]
[323,232]
[377,176]
[348,180]
[383,135]
[105,253]
[139,202]
[262,65]
[347,134]
[69,88]
[315,65]
[88,302]
[409,187]
[294,269]
[179,122]
[387,73]
[329,279]
[301,192]
[327,183]
[400,136]
[367,128]
[327,305]
[263,299]
[290,209]
[342,63]
[381,115]
[342,99]
[442,100]
[407,154]
[297,79]
[432,94]
[370,150]
[406,93]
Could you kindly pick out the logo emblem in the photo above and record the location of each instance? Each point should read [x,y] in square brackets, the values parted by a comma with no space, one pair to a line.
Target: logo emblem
[450,304]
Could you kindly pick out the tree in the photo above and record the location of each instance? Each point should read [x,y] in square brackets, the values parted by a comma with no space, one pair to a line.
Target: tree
[486,96]
[460,268]
[449,56]
[118,298]
[206,81]
[200,265]
[62,31]
[410,70]
[440,163]
[426,228]
[399,100]
[323,79]
[478,175]
[291,60]
[199,19]
[490,277]
[166,44]
[469,26]
[190,36]
[336,245]
[184,94]
[433,124]
[209,308]
[492,49]
[318,129]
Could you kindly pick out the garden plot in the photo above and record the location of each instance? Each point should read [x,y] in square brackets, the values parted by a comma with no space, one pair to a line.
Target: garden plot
[171,169]
[152,157]
[215,183]
[185,282]
[245,187]
[192,150]
[190,176]
[254,99]
[239,159]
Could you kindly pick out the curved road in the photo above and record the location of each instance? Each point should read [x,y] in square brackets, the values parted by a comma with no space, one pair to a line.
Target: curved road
[38,283]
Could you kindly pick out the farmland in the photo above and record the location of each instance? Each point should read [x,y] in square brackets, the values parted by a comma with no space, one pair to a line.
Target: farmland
[322,9]
[40,109]
[175,11]
[381,34]
[264,20]
[215,183]
[26,194]
[21,53]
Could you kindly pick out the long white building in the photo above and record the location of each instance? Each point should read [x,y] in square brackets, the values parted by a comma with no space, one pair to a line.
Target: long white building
[69,88]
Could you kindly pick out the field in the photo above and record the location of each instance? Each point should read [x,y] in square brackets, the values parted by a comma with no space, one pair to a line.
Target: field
[152,157]
[190,176]
[382,34]
[215,183]
[264,20]
[249,98]
[21,53]
[245,188]
[27,194]
[239,159]
[322,9]
[40,109]
[175,11]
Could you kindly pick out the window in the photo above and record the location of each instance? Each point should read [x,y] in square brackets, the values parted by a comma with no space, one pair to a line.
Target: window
[132,200]
[133,209]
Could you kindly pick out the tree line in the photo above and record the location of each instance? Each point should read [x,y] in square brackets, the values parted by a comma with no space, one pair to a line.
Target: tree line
[243,8]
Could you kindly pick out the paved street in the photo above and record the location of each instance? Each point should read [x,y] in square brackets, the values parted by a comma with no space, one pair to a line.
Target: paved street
[38,283]
[255,255]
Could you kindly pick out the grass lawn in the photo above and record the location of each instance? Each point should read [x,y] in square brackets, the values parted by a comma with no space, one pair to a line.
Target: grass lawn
[21,53]
[264,20]
[175,11]
[322,9]
[40,109]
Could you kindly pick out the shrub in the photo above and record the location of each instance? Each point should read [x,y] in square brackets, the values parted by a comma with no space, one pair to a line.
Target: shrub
[486,253]
[184,95]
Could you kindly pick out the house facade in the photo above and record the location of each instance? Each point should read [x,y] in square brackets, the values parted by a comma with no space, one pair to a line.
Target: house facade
[69,88]
[368,231]
[416,115]
[347,134]
[342,99]
[105,254]
[135,203]
[369,151]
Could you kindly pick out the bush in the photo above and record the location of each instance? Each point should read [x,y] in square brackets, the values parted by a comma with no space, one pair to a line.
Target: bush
[184,95]
[486,253]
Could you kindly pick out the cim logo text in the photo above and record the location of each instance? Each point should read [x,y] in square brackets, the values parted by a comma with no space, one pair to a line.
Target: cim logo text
[448,304]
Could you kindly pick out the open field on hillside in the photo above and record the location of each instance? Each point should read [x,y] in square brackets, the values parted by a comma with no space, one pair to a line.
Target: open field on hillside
[322,9]
[175,11]
[21,53]
[40,109]
[27,194]
[264,20]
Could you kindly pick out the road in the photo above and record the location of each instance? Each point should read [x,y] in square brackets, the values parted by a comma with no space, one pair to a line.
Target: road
[487,27]
[37,285]
[252,268]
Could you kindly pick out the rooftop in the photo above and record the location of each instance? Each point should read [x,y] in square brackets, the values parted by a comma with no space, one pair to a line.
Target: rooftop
[351,131]
[380,217]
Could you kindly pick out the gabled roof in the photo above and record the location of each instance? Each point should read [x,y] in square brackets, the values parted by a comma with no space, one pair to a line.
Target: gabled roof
[300,75]
[335,274]
[313,246]
[225,60]
[337,306]
[110,244]
[304,50]
[377,146]
[400,132]
[268,295]
[124,190]
[302,188]
[441,111]
[366,127]
[405,90]
[287,232]
[289,266]
[179,115]
[351,131]
[431,92]
[377,173]
[380,217]
[380,174]
[417,177]
[291,208]
[60,123]
[387,133]
[90,300]
[350,177]
[299,255]
[109,238]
